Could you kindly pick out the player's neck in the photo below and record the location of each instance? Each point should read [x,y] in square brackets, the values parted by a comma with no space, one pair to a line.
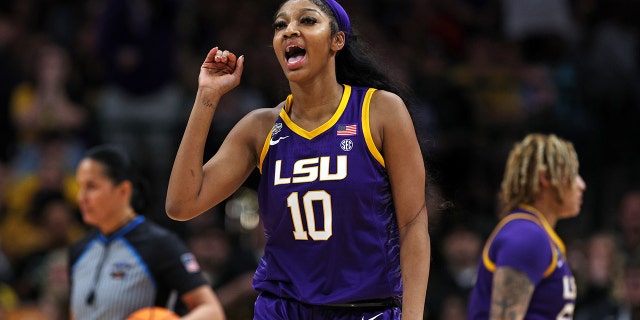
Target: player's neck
[314,105]
[548,211]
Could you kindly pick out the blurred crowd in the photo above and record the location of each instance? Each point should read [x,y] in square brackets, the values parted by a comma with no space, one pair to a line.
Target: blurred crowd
[482,73]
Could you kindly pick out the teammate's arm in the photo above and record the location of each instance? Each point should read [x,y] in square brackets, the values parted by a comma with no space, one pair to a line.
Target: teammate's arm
[511,293]
[394,134]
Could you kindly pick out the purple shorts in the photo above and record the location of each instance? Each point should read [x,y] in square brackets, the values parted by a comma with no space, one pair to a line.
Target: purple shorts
[271,307]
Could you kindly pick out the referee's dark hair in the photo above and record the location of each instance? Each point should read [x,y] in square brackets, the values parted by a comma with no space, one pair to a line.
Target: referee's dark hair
[118,167]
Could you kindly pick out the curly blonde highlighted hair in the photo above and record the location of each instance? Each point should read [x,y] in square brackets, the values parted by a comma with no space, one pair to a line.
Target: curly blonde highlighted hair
[537,153]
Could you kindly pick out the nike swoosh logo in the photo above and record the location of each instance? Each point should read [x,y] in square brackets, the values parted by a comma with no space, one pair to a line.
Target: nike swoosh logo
[373,317]
[274,142]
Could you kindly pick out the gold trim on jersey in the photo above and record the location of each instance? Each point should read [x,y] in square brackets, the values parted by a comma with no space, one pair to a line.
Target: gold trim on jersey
[366,127]
[324,127]
[346,93]
[537,219]
[265,148]
[552,233]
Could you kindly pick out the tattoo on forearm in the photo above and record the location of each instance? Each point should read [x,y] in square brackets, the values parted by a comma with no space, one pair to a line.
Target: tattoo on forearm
[208,104]
[512,291]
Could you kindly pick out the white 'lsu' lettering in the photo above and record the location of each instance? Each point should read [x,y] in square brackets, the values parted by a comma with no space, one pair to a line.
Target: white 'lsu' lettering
[312,169]
[569,292]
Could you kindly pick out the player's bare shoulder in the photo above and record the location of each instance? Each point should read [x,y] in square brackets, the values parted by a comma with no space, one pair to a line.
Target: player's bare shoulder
[387,104]
[386,109]
[268,115]
[261,120]
[257,124]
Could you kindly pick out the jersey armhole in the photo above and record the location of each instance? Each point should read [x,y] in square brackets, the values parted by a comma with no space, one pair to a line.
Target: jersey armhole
[366,127]
[491,266]
[265,148]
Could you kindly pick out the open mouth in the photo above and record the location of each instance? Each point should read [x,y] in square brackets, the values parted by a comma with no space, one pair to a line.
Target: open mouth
[294,54]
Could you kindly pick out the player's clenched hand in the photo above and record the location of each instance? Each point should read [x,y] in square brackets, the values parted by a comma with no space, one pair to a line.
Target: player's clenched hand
[220,71]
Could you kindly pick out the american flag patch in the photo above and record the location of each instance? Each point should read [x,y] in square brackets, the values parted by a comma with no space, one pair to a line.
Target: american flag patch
[190,263]
[347,129]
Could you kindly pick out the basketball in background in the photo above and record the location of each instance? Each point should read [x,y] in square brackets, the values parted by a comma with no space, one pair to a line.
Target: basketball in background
[153,313]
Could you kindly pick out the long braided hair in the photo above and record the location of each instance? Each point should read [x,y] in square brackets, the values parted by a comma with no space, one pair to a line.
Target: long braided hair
[537,153]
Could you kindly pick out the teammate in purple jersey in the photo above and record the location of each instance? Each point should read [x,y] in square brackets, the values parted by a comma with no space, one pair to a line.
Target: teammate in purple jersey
[523,272]
[342,191]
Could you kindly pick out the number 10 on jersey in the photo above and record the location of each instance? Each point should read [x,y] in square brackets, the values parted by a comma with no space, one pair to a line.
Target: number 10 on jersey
[297,211]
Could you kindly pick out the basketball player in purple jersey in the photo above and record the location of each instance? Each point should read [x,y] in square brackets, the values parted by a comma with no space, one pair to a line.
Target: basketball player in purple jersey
[342,190]
[523,272]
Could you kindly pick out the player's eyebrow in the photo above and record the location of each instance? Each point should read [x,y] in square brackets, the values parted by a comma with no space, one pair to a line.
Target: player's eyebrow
[303,10]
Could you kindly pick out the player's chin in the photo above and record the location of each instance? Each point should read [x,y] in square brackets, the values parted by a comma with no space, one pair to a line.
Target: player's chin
[575,211]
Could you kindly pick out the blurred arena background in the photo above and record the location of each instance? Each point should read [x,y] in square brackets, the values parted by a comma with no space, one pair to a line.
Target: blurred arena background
[483,73]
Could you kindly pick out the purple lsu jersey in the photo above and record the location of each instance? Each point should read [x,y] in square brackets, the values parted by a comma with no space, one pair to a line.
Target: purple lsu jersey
[329,218]
[523,240]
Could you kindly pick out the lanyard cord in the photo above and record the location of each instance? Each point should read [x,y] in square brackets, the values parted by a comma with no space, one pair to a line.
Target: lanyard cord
[92,293]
